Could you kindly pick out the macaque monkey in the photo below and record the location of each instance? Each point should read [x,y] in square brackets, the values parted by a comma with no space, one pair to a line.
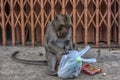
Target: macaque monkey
[58,41]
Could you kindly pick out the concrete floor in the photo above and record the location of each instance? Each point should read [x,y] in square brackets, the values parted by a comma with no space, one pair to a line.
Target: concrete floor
[108,60]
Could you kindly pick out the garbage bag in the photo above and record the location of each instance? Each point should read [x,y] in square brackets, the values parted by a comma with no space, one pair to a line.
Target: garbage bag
[71,63]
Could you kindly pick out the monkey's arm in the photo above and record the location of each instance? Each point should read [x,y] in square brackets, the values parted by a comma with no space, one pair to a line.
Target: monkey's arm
[54,48]
[50,39]
[69,43]
[72,46]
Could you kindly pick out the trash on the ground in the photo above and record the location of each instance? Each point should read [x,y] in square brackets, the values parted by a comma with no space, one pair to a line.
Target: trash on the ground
[71,63]
[91,70]
[104,74]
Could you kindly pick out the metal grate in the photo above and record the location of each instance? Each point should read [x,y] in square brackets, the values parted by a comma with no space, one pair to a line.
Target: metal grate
[95,22]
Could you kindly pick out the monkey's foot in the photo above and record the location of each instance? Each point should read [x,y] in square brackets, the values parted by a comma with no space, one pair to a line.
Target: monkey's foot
[52,73]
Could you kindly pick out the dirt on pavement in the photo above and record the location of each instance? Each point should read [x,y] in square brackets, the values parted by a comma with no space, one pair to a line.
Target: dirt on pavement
[108,60]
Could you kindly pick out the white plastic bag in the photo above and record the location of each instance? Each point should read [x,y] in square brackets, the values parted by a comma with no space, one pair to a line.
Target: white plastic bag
[71,63]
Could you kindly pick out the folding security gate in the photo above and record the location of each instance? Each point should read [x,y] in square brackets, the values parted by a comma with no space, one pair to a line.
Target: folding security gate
[94,21]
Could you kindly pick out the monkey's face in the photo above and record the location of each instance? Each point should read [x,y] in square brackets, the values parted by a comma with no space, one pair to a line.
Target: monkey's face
[63,30]
[62,25]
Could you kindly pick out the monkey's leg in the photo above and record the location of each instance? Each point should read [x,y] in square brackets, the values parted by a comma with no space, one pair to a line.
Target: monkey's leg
[52,60]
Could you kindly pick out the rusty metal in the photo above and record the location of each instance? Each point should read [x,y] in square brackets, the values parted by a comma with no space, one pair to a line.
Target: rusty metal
[95,22]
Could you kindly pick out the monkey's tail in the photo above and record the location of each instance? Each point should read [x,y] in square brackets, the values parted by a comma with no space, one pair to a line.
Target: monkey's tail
[13,56]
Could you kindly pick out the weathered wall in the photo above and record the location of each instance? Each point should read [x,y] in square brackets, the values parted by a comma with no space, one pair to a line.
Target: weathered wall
[94,21]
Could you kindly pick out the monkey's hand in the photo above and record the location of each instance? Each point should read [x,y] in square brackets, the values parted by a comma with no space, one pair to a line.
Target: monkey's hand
[55,49]
[68,45]
[59,55]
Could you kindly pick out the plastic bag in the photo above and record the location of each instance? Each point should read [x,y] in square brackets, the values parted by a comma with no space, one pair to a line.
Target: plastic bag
[71,63]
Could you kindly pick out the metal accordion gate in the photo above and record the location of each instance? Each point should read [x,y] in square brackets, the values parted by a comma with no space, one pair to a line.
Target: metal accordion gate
[95,22]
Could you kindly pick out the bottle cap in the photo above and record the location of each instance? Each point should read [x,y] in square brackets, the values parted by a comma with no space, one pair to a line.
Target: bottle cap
[78,59]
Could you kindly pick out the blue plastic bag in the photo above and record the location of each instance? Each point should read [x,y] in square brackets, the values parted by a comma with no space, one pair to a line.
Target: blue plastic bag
[71,63]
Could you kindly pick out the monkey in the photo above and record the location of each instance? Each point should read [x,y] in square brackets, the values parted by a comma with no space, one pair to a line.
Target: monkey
[57,42]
